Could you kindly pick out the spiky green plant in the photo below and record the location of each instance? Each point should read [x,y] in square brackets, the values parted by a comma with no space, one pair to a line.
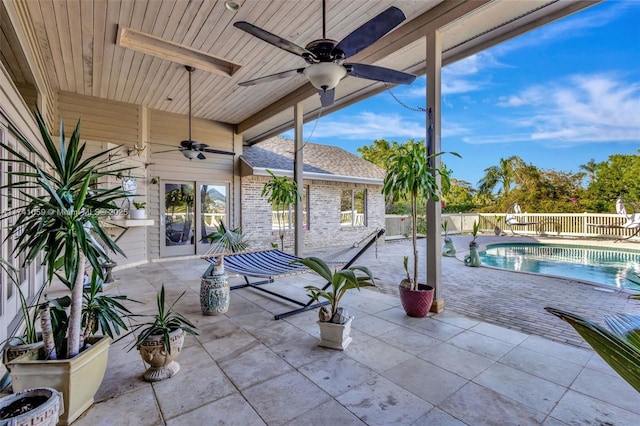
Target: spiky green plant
[164,322]
[61,221]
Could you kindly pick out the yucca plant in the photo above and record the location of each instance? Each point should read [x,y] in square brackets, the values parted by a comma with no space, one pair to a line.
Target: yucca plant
[340,282]
[164,322]
[57,213]
[229,240]
[619,347]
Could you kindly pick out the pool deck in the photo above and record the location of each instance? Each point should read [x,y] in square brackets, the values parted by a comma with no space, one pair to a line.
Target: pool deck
[456,368]
[515,300]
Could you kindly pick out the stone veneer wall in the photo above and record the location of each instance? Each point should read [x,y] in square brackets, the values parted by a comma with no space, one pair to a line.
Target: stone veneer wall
[324,205]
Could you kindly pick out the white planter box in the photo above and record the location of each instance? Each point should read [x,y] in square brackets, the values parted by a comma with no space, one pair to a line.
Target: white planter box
[335,336]
[138,214]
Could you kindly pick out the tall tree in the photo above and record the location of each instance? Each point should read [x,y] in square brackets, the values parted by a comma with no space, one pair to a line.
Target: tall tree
[590,168]
[505,174]
[379,153]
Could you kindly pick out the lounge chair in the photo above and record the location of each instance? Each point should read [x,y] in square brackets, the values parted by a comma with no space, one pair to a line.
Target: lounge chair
[631,221]
[514,218]
[268,265]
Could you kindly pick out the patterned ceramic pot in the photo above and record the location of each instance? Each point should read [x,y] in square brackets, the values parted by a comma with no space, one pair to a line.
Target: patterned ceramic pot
[214,290]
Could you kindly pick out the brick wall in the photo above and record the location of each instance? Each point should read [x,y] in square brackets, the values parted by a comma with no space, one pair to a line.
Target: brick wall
[324,215]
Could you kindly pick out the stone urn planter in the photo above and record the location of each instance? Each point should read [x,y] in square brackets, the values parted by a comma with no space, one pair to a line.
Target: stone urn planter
[214,289]
[416,303]
[162,364]
[335,336]
[33,407]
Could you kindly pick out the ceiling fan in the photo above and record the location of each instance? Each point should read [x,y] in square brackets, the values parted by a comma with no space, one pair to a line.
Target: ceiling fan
[327,57]
[190,148]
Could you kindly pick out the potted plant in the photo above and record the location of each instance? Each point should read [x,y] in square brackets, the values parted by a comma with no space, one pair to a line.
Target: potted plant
[473,258]
[449,249]
[282,192]
[214,284]
[62,225]
[138,211]
[410,176]
[160,341]
[40,406]
[335,323]
[28,338]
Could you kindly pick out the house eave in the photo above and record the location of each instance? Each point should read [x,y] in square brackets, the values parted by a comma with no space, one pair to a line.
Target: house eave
[260,171]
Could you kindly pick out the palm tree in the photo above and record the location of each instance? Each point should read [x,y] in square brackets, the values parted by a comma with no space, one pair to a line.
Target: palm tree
[505,174]
[590,168]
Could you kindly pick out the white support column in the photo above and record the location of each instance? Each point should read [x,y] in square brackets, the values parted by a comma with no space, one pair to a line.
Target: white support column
[298,161]
[433,240]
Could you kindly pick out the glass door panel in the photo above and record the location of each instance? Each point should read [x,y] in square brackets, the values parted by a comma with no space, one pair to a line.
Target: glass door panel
[212,202]
[179,226]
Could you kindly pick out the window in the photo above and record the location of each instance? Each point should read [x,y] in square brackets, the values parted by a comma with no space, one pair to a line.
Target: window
[353,207]
[286,219]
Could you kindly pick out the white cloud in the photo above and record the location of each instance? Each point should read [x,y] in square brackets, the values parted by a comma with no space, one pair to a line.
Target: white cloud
[576,110]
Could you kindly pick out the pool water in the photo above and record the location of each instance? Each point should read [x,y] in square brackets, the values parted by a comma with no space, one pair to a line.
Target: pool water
[611,267]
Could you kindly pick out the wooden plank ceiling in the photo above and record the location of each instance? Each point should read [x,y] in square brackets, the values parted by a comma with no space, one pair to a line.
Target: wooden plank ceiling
[78,41]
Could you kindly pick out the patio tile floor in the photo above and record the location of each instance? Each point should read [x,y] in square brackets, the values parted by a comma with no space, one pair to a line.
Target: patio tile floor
[245,368]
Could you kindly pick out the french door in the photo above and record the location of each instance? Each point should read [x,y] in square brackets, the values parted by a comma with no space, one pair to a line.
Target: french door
[191,211]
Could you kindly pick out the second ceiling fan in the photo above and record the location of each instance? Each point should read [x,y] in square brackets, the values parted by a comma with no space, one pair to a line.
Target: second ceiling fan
[327,57]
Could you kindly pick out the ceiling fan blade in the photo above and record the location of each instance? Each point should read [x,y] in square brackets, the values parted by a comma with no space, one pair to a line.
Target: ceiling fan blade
[373,72]
[201,156]
[272,77]
[371,32]
[218,151]
[327,97]
[273,39]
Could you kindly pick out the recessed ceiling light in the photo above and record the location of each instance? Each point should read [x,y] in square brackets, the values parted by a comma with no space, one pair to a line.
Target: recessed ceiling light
[232,6]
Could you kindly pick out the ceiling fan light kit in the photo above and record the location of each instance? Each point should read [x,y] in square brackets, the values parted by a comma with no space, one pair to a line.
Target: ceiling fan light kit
[326,57]
[325,75]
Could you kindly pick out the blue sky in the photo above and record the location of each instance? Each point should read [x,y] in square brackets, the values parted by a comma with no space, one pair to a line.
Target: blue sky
[557,97]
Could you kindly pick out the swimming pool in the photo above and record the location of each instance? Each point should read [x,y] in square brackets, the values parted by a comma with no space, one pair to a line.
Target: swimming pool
[611,267]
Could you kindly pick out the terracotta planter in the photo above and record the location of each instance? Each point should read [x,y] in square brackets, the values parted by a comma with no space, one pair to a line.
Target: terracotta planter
[335,336]
[77,378]
[162,364]
[44,414]
[416,303]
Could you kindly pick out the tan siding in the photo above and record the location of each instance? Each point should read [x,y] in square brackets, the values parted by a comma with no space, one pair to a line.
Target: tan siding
[102,120]
[165,133]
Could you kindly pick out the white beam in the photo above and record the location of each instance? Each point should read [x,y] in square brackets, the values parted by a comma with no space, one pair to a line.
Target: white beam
[298,163]
[433,243]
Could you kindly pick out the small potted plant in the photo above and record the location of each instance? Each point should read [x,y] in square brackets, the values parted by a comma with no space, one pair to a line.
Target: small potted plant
[334,322]
[138,211]
[473,258]
[449,249]
[160,341]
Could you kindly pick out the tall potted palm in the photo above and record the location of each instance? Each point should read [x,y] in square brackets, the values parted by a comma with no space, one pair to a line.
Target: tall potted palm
[411,177]
[282,192]
[57,216]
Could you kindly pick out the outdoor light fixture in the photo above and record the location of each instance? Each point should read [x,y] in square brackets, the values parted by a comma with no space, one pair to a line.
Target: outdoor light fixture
[232,6]
[190,153]
[324,75]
